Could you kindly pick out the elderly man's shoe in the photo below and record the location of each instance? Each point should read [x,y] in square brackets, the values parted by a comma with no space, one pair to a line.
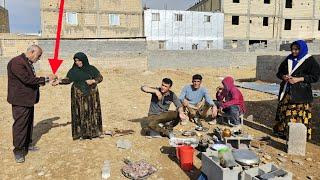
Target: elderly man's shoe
[19,158]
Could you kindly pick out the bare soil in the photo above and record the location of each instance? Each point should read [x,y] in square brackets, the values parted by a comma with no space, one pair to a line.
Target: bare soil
[124,106]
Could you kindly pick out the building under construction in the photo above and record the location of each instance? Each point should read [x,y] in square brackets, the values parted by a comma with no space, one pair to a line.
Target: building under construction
[4,20]
[270,22]
[93,19]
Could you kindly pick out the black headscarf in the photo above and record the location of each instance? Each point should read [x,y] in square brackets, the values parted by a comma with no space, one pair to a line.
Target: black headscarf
[79,75]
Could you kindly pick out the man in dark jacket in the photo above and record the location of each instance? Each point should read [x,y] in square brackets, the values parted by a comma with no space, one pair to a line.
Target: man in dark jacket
[23,93]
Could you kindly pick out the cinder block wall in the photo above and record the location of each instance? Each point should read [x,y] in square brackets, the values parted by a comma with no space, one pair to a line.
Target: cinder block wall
[204,58]
[103,53]
[267,67]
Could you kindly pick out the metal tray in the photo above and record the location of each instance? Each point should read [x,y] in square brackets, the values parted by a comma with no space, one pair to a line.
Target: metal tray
[245,157]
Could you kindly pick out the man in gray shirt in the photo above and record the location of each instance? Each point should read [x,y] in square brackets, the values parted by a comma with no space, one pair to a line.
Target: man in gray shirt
[160,119]
[196,100]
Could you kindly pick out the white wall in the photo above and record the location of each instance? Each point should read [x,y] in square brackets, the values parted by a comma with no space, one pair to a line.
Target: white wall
[183,34]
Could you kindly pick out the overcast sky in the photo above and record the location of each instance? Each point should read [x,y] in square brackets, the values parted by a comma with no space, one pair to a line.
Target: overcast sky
[24,15]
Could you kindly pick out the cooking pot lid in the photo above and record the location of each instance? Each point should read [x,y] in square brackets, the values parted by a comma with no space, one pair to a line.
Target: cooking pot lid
[245,157]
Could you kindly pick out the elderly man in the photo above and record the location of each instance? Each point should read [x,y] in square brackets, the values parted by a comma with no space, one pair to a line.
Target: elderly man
[196,100]
[23,93]
[160,119]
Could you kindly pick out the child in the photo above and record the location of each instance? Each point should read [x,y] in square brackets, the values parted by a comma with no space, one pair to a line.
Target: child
[230,101]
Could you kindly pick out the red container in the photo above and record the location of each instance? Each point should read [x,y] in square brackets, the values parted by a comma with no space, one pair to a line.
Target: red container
[185,156]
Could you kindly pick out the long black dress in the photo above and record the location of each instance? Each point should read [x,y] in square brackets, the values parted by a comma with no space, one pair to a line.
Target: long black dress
[85,111]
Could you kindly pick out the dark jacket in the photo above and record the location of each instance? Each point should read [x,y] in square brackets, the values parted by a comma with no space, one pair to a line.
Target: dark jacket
[23,85]
[301,92]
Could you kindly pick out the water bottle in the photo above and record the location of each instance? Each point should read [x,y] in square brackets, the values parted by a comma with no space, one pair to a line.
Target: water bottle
[105,170]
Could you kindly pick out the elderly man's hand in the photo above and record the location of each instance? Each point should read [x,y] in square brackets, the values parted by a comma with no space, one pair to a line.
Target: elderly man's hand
[55,82]
[52,77]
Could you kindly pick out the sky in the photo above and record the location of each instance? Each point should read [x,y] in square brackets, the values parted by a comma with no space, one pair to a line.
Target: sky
[24,15]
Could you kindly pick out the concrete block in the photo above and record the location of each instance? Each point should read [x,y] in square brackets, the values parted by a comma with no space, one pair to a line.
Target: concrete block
[212,169]
[237,141]
[267,170]
[297,139]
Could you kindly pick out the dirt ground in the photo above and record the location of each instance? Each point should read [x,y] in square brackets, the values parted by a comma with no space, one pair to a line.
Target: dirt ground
[124,106]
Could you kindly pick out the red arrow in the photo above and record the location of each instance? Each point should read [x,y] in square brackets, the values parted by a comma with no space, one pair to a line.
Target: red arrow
[55,62]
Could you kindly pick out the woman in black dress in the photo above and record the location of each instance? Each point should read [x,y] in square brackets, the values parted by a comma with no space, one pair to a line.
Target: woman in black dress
[297,72]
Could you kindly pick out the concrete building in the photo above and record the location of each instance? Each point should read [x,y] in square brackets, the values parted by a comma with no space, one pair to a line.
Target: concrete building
[183,30]
[270,22]
[93,18]
[4,20]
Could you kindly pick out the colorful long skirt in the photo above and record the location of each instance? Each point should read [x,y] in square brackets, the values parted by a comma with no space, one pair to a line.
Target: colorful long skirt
[292,112]
[86,114]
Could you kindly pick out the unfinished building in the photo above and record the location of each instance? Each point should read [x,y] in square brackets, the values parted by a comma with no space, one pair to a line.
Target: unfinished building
[93,18]
[267,22]
[4,20]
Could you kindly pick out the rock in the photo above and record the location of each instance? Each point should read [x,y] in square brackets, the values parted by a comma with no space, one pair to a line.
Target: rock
[124,144]
[310,177]
[255,144]
[281,154]
[264,162]
[41,173]
[198,134]
[309,159]
[282,159]
[250,118]
[297,162]
[267,157]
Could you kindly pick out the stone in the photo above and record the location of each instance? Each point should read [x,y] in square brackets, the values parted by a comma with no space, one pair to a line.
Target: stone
[124,144]
[281,154]
[267,157]
[255,144]
[281,159]
[309,159]
[250,118]
[310,177]
[41,173]
[297,162]
[297,139]
[198,134]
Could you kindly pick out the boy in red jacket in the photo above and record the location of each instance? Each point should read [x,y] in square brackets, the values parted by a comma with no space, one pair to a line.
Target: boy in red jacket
[230,101]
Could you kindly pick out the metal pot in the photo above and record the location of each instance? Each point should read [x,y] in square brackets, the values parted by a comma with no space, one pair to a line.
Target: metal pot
[226,132]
